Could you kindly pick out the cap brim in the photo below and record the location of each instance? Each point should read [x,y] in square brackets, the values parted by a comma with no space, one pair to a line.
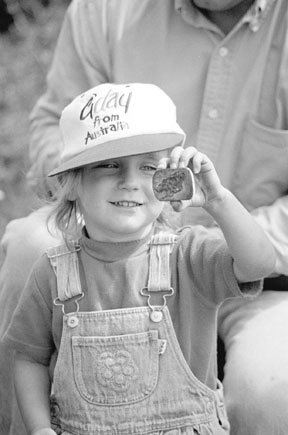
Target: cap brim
[133,145]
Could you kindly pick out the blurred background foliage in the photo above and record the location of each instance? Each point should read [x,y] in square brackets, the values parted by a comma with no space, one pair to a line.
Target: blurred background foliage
[28,33]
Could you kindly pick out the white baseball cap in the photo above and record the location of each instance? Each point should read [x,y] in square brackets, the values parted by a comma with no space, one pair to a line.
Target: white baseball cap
[117,120]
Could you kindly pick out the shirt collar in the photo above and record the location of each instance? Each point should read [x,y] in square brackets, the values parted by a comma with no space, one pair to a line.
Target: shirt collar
[115,251]
[254,17]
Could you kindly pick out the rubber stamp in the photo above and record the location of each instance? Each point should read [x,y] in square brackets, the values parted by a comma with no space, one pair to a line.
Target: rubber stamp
[173,184]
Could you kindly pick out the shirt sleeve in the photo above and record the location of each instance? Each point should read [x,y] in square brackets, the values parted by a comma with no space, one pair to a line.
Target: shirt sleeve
[274,220]
[30,329]
[205,261]
[81,60]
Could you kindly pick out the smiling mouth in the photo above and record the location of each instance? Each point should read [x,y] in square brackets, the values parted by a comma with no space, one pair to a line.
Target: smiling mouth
[128,204]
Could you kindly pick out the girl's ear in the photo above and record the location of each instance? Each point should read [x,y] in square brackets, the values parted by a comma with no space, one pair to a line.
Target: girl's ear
[72,196]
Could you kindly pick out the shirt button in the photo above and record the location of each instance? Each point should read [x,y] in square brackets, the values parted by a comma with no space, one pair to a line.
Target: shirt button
[213,113]
[223,51]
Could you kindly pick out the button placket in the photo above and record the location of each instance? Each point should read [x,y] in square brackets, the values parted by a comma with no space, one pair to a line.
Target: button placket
[213,113]
[223,51]
[214,101]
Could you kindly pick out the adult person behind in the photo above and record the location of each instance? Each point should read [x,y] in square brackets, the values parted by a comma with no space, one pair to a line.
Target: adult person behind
[224,64]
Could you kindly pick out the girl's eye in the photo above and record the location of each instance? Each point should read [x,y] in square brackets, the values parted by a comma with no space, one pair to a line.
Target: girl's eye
[149,168]
[109,165]
[105,165]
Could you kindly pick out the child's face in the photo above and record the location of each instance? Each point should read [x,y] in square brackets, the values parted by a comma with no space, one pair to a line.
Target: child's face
[116,197]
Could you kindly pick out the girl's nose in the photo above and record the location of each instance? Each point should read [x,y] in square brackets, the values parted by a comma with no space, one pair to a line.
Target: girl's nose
[129,179]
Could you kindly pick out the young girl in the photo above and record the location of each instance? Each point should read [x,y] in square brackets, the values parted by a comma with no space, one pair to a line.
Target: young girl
[117,329]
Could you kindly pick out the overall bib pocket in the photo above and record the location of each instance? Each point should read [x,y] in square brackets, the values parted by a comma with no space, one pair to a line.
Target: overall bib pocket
[116,370]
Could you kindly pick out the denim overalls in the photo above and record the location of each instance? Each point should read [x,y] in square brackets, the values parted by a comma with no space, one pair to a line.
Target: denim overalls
[122,371]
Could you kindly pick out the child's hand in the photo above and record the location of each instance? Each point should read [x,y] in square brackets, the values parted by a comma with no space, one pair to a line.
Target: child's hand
[208,187]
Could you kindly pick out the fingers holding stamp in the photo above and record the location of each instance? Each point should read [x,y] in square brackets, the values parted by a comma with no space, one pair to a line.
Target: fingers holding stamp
[175,157]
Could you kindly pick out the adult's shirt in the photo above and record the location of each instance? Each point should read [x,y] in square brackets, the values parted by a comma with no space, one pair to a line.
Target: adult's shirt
[231,91]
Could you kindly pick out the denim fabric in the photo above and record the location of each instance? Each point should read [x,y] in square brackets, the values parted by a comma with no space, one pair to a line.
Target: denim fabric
[120,372]
[123,372]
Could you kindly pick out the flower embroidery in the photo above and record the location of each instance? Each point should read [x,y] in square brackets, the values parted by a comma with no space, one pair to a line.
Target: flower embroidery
[116,370]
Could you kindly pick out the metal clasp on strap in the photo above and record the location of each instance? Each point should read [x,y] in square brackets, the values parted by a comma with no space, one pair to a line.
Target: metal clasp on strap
[156,314]
[71,317]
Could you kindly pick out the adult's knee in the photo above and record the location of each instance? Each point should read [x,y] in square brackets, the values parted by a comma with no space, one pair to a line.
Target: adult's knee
[257,409]
[255,373]
[25,239]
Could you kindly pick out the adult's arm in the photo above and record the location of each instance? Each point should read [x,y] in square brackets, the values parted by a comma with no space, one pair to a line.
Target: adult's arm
[274,220]
[81,60]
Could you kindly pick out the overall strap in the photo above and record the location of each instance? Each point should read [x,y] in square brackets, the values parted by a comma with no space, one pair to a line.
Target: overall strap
[161,246]
[159,278]
[64,260]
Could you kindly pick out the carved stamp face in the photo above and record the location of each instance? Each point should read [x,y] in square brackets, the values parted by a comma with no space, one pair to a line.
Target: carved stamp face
[173,184]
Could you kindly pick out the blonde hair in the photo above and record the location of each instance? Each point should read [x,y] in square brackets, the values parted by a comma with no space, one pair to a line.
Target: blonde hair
[66,214]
